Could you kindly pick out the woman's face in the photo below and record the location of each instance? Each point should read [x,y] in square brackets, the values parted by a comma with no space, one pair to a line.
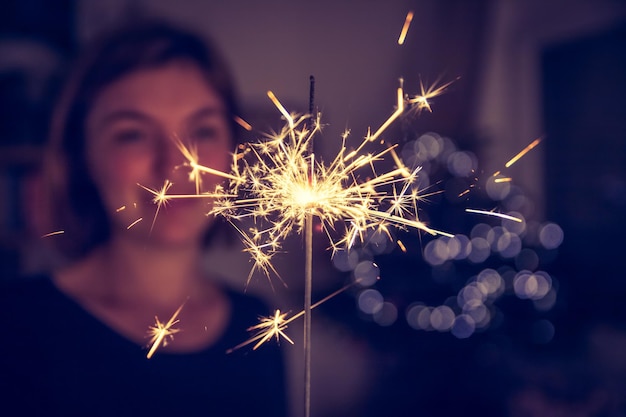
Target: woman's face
[131,134]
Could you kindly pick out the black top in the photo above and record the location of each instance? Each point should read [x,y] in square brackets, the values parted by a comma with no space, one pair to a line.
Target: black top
[56,359]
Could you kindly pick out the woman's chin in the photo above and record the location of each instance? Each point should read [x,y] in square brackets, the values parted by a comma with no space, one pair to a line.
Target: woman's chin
[171,230]
[169,239]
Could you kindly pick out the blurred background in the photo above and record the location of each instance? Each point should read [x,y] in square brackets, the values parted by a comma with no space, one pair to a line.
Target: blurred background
[504,319]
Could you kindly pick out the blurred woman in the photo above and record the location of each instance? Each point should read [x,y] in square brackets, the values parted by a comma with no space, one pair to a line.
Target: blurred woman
[74,342]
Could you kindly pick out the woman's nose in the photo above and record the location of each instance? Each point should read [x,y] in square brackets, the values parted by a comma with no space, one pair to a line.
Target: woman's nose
[170,159]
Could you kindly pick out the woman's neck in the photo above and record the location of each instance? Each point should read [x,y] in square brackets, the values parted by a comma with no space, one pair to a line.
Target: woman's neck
[162,276]
[126,285]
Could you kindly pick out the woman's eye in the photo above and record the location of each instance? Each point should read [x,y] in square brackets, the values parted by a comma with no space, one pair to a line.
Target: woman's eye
[130,136]
[205,133]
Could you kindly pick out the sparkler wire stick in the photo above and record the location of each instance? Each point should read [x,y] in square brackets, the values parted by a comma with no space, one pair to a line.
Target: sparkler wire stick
[308,275]
[308,280]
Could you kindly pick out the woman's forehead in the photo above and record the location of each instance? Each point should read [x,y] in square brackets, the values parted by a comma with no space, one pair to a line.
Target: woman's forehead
[176,90]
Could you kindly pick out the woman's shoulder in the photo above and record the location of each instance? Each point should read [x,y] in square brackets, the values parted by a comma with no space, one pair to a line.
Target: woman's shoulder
[28,300]
[25,290]
[26,307]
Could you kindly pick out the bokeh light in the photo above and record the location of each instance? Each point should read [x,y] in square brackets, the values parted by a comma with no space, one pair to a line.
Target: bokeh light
[551,235]
[497,190]
[480,250]
[516,247]
[370,301]
[387,315]
[462,164]
[345,260]
[463,326]
[532,285]
[442,318]
[367,273]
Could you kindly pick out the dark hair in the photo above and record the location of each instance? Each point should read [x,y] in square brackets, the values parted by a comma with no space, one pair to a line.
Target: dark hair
[76,205]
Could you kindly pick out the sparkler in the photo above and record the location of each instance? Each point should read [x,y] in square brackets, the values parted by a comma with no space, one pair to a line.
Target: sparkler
[279,184]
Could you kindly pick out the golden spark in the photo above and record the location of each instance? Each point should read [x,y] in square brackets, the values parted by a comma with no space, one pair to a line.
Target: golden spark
[405,27]
[134,223]
[160,198]
[58,232]
[523,152]
[495,214]
[420,102]
[161,333]
[274,326]
[243,123]
[504,179]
